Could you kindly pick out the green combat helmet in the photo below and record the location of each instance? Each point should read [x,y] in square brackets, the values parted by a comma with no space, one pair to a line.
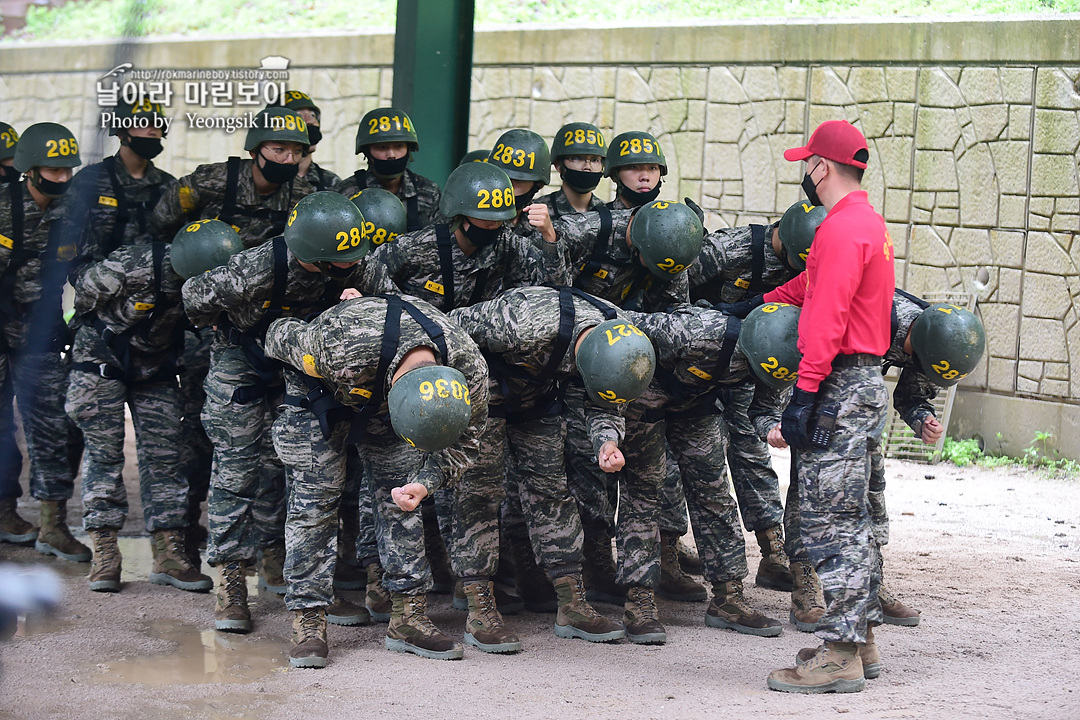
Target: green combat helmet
[474,156]
[769,340]
[478,190]
[616,362]
[127,113]
[384,215]
[276,124]
[296,100]
[634,148]
[948,342]
[523,155]
[667,235]
[386,125]
[46,144]
[203,245]
[9,139]
[797,228]
[324,228]
[578,138]
[430,407]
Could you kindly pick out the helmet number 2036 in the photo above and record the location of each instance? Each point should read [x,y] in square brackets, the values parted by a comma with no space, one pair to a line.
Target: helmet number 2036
[444,389]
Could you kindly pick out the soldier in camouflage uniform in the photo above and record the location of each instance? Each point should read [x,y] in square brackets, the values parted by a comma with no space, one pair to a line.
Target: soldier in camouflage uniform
[364,359]
[318,177]
[387,138]
[244,388]
[527,335]
[636,164]
[577,152]
[735,264]
[9,140]
[125,352]
[696,354]
[523,156]
[34,257]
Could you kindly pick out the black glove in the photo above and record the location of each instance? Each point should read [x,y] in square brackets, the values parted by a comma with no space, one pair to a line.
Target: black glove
[740,309]
[795,422]
[697,211]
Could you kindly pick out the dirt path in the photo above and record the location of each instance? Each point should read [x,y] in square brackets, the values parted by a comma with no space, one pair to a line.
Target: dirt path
[991,557]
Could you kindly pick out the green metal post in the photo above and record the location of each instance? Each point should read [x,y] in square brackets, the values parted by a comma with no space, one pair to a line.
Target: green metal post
[432,74]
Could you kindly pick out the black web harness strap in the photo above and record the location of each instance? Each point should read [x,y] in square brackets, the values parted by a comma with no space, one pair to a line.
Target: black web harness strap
[706,404]
[894,321]
[270,381]
[444,242]
[757,259]
[230,211]
[320,400]
[600,248]
[124,206]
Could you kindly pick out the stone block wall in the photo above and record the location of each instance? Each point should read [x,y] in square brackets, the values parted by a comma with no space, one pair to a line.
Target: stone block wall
[973,131]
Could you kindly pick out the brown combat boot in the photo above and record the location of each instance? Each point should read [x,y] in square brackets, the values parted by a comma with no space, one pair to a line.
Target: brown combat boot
[834,667]
[674,583]
[377,598]
[343,612]
[598,570]
[410,630]
[773,571]
[730,609]
[868,653]
[105,570]
[171,565]
[484,627]
[640,618]
[54,537]
[896,612]
[576,618]
[13,528]
[232,613]
[309,648]
[807,600]
[507,602]
[272,569]
[689,559]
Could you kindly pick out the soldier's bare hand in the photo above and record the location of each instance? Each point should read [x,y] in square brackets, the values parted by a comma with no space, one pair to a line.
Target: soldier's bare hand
[931,430]
[540,218]
[350,294]
[610,457]
[408,497]
[776,438]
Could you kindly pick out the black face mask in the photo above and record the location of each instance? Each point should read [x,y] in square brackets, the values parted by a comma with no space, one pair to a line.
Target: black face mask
[278,173]
[314,134]
[389,169]
[481,237]
[810,189]
[523,201]
[144,147]
[334,271]
[580,180]
[637,199]
[8,174]
[49,188]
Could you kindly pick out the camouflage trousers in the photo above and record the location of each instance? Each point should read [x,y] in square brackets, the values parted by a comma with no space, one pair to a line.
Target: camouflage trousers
[834,513]
[699,450]
[636,529]
[468,514]
[196,450]
[879,515]
[53,442]
[246,503]
[596,494]
[96,404]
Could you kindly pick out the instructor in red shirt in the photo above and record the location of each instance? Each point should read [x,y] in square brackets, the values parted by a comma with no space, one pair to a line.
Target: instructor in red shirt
[838,403]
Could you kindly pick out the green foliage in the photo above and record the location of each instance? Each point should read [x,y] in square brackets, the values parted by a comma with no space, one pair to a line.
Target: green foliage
[1038,455]
[110,19]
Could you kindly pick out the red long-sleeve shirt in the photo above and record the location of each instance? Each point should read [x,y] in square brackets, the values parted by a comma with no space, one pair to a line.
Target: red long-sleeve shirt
[846,291]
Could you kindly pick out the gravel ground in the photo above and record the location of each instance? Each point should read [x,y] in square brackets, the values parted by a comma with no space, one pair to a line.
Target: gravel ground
[989,556]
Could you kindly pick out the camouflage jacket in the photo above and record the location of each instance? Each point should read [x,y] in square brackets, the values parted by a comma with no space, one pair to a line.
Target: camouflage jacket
[914,393]
[242,291]
[120,293]
[618,277]
[342,348]
[105,217]
[723,272]
[30,262]
[415,190]
[411,265]
[559,205]
[322,179]
[201,195]
[688,343]
[517,332]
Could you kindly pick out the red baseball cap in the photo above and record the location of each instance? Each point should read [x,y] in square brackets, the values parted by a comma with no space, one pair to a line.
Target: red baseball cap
[836,140]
